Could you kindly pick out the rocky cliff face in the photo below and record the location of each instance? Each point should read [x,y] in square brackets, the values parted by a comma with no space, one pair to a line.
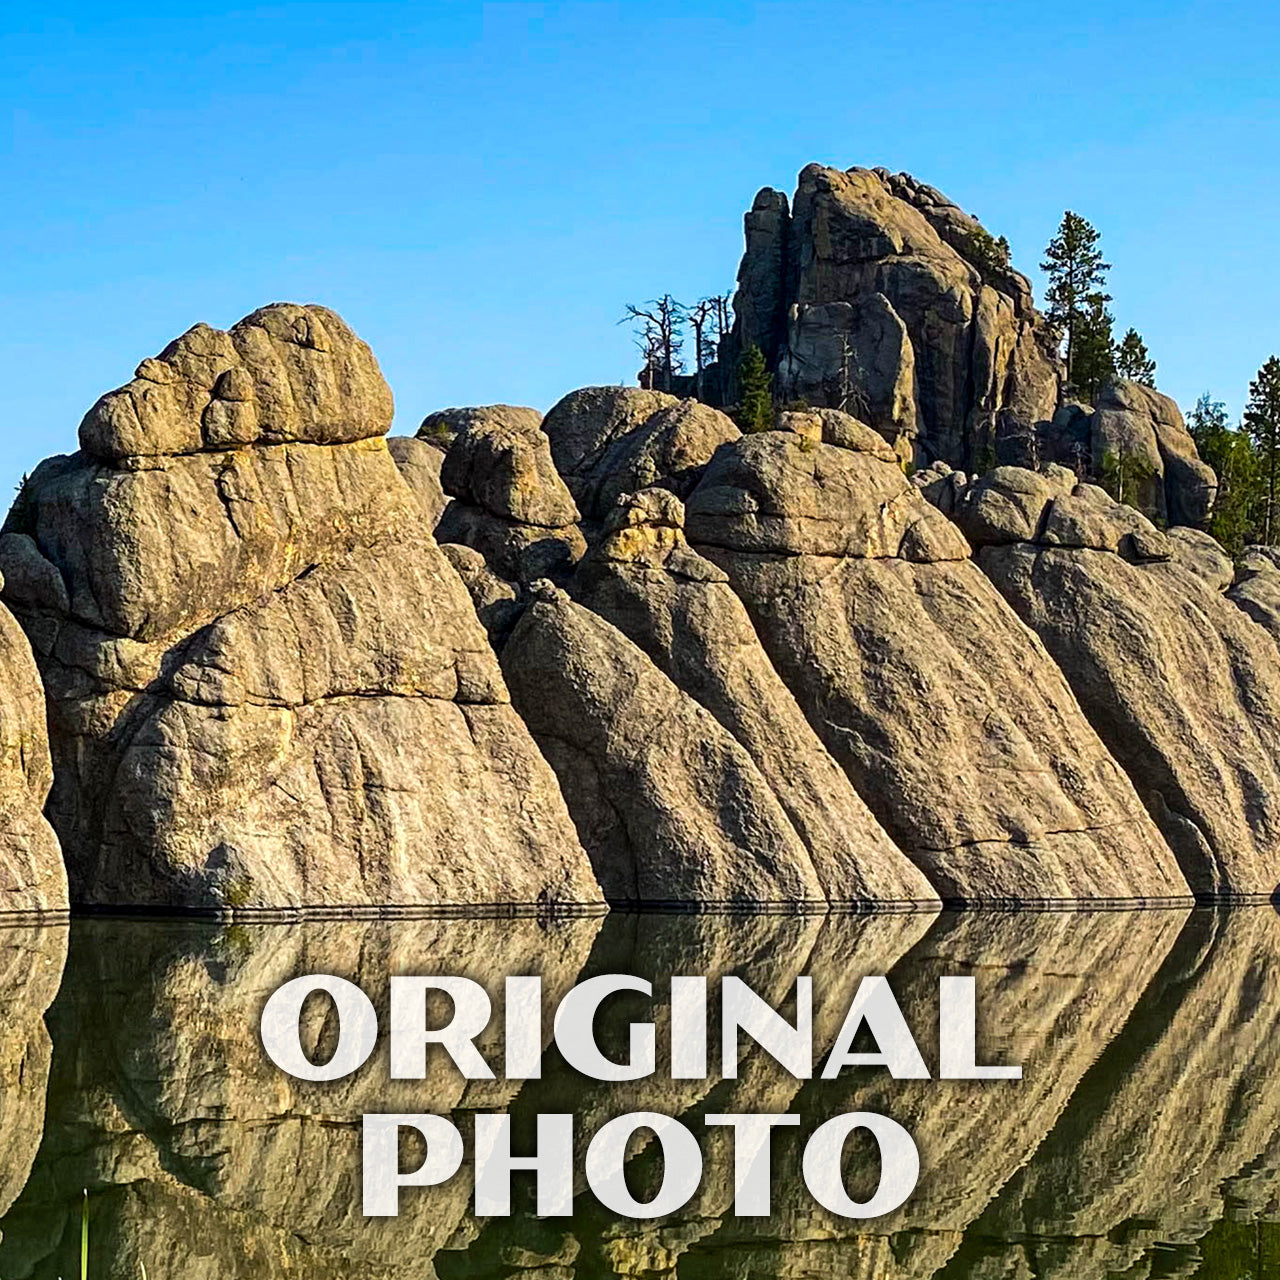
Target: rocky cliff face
[267,687]
[32,877]
[871,291]
[948,716]
[1182,685]
[623,652]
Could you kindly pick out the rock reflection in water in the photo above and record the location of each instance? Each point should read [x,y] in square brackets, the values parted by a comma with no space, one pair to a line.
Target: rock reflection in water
[1146,1115]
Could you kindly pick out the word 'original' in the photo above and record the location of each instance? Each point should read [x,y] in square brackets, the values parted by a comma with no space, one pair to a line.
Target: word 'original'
[873,1014]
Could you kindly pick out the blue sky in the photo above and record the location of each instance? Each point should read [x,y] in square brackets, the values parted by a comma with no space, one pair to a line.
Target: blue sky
[479,189]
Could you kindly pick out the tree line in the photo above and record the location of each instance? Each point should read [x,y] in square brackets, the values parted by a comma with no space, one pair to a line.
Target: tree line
[1076,311]
[1245,456]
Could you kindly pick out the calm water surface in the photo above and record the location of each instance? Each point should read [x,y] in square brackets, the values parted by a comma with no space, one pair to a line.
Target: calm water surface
[1143,1140]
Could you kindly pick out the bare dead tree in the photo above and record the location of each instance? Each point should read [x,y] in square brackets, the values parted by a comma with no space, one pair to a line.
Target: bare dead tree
[702,316]
[723,315]
[658,325]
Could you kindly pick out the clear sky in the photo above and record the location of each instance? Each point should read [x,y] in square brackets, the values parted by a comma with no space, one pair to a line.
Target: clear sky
[478,189]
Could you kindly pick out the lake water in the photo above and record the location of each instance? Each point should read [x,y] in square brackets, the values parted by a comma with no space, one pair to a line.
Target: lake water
[1142,1141]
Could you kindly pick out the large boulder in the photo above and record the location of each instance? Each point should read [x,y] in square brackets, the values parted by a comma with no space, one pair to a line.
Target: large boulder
[679,608]
[267,686]
[32,877]
[1138,436]
[948,715]
[609,441]
[509,502]
[1181,685]
[670,806]
[876,293]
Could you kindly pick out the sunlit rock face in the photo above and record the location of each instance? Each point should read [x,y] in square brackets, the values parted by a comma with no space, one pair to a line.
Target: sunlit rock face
[871,292]
[267,687]
[948,715]
[32,876]
[1181,684]
[680,609]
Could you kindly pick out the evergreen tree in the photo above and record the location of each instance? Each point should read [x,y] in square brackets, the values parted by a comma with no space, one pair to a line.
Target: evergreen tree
[1095,356]
[1262,422]
[1123,476]
[1076,291]
[1133,361]
[987,252]
[1230,452]
[755,394]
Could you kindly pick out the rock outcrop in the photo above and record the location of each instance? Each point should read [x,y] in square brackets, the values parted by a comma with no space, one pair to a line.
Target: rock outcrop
[875,292]
[509,502]
[267,686]
[671,808]
[1136,430]
[32,877]
[947,714]
[610,441]
[690,772]
[679,608]
[1182,686]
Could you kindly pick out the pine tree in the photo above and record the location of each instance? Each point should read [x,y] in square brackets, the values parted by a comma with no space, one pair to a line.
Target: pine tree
[1133,361]
[1262,422]
[755,395]
[1095,356]
[1075,294]
[1123,476]
[1230,452]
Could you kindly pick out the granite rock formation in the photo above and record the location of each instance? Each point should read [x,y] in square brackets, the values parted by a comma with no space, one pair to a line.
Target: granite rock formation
[671,808]
[32,876]
[626,652]
[1136,426]
[870,291]
[509,502]
[267,687]
[610,441]
[948,715]
[1182,686]
[679,608]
